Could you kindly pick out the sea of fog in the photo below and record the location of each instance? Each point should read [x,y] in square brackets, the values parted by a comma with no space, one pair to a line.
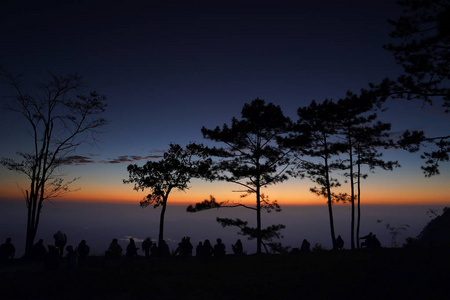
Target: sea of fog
[99,223]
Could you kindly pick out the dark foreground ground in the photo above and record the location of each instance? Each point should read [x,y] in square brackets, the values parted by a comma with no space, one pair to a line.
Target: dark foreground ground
[384,274]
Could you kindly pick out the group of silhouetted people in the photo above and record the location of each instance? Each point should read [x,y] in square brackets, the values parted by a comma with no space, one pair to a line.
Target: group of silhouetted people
[52,254]
[184,249]
[205,249]
[75,256]
[370,241]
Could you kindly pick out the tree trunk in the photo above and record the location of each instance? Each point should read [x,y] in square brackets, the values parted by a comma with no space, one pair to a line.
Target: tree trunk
[330,204]
[358,223]
[352,197]
[161,223]
[258,219]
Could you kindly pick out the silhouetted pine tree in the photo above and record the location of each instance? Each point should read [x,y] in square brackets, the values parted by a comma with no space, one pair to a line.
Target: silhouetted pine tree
[362,139]
[423,50]
[251,156]
[173,171]
[314,136]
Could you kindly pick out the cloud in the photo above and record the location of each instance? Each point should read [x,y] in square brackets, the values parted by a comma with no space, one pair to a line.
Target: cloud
[130,158]
[78,160]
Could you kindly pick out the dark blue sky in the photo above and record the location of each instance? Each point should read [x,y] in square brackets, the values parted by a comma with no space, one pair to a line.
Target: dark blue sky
[170,67]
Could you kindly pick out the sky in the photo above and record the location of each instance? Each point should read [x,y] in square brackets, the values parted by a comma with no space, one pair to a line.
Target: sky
[170,67]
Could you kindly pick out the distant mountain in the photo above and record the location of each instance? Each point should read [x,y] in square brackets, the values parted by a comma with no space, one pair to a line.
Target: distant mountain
[436,233]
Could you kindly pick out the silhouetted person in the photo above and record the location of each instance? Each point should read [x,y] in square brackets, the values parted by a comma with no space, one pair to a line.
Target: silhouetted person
[207,249]
[199,250]
[370,241]
[185,247]
[38,251]
[305,246]
[131,249]
[7,250]
[339,243]
[114,250]
[83,249]
[154,250]
[52,258]
[72,257]
[146,246]
[366,238]
[164,250]
[375,242]
[237,248]
[219,249]
[60,241]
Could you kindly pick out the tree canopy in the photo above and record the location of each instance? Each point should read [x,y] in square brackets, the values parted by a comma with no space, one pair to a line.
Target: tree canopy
[251,156]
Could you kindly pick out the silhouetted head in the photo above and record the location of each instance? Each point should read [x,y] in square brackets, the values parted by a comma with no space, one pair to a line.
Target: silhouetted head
[115,241]
[8,240]
[83,242]
[219,241]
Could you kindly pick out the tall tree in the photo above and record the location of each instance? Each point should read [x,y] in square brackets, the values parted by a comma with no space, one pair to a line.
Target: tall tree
[251,156]
[361,139]
[423,50]
[314,136]
[353,114]
[59,120]
[369,140]
[173,171]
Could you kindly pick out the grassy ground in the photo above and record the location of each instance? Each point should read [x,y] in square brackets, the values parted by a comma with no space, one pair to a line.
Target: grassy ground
[384,274]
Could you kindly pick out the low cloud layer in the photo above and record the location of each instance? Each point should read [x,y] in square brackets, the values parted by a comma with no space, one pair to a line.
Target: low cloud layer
[78,160]
[129,159]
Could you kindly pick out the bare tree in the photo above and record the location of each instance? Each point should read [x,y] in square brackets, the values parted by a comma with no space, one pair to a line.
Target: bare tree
[60,120]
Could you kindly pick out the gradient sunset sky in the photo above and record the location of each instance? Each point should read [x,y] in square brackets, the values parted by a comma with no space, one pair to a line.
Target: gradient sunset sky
[170,67]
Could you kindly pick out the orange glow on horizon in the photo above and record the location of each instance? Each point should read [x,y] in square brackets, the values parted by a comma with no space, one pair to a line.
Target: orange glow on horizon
[286,194]
[191,198]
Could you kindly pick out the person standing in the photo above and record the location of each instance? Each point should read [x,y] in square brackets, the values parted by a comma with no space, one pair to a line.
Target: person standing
[60,241]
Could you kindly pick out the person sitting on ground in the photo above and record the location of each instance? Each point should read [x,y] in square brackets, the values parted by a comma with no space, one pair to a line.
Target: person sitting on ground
[114,250]
[339,243]
[369,241]
[7,250]
[163,249]
[38,251]
[154,250]
[237,248]
[132,249]
[305,246]
[375,242]
[219,249]
[72,257]
[51,261]
[83,249]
